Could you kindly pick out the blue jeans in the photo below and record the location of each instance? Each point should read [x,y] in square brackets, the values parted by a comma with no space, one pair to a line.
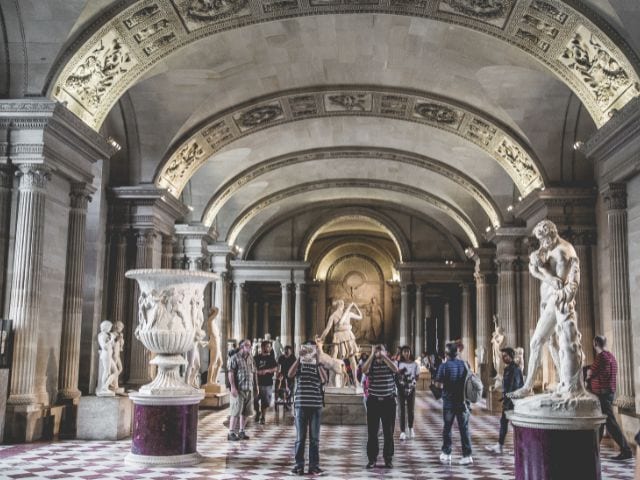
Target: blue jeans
[461,414]
[308,418]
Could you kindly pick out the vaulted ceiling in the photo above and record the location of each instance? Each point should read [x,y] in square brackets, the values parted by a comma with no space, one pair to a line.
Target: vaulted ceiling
[251,110]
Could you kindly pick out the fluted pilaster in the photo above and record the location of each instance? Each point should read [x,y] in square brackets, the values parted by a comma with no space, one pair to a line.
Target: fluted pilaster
[139,356]
[404,314]
[265,318]
[584,298]
[467,327]
[483,316]
[6,182]
[285,316]
[616,201]
[254,320]
[447,322]
[419,322]
[507,300]
[238,307]
[298,328]
[72,307]
[167,252]
[24,307]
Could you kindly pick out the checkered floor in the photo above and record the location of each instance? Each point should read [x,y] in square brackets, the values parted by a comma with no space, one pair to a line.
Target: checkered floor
[269,453]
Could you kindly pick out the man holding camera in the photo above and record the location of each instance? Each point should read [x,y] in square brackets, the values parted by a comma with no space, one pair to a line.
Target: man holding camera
[381,404]
[308,406]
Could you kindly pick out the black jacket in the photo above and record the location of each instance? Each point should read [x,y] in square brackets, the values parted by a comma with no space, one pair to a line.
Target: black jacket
[511,381]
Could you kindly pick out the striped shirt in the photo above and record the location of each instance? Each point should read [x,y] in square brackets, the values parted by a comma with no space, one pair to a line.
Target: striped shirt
[381,380]
[603,373]
[243,370]
[308,386]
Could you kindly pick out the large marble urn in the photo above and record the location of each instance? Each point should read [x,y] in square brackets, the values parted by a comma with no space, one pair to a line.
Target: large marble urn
[170,313]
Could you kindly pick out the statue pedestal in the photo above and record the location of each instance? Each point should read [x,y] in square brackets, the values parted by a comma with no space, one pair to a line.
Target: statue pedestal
[556,442]
[343,408]
[494,404]
[104,418]
[215,396]
[165,430]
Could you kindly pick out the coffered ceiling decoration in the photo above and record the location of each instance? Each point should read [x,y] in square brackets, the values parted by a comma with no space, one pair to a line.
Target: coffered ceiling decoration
[227,190]
[512,153]
[460,218]
[125,42]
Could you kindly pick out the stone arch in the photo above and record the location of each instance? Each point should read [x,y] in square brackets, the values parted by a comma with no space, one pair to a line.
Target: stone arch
[451,211]
[143,32]
[224,192]
[510,151]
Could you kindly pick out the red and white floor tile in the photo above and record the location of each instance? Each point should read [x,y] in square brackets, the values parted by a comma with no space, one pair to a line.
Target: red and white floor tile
[269,453]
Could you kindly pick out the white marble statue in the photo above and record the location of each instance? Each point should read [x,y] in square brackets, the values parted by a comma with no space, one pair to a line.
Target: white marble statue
[376,321]
[255,347]
[481,357]
[344,341]
[277,347]
[519,358]
[497,343]
[556,265]
[106,364]
[215,347]
[118,347]
[192,373]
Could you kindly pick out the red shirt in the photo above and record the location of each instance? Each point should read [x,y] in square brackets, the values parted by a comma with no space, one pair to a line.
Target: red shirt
[603,373]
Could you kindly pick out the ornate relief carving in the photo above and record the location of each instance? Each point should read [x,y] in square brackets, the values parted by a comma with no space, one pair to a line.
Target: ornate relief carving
[141,15]
[269,6]
[259,116]
[539,25]
[394,105]
[494,12]
[594,65]
[518,160]
[217,134]
[160,43]
[321,3]
[187,157]
[437,113]
[419,4]
[98,72]
[550,11]
[303,105]
[533,39]
[480,132]
[144,33]
[348,102]
[199,13]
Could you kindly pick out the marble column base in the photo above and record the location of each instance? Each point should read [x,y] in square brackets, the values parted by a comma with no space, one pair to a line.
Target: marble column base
[23,423]
[556,442]
[165,430]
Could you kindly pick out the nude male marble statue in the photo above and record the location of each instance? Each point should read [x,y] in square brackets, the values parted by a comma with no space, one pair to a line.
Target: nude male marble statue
[215,348]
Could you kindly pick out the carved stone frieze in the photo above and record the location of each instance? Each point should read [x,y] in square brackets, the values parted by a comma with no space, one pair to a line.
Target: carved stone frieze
[348,102]
[258,116]
[594,65]
[119,49]
[615,196]
[228,126]
[101,68]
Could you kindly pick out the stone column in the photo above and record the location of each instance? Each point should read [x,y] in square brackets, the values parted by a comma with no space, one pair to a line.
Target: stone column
[299,330]
[428,315]
[167,253]
[24,307]
[139,356]
[285,321]
[265,318]
[404,314]
[584,298]
[72,307]
[6,182]
[447,322]
[467,327]
[615,197]
[483,323]
[238,304]
[419,326]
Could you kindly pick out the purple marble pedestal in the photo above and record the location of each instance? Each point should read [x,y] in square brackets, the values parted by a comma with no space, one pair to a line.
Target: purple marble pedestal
[165,430]
[550,448]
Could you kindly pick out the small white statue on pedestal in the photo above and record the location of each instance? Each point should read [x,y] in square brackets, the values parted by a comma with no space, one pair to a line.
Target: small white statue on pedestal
[106,366]
[215,350]
[497,342]
[277,348]
[118,347]
[192,373]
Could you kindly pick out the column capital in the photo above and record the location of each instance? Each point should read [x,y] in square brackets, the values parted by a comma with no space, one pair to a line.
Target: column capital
[300,286]
[615,196]
[145,236]
[80,194]
[7,173]
[33,176]
[284,284]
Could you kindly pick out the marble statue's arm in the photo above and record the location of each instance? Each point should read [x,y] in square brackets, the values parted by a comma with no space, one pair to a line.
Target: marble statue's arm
[359,315]
[537,270]
[573,279]
[327,329]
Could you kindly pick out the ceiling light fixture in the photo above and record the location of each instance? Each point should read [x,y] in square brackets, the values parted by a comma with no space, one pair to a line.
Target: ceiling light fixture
[112,141]
[578,145]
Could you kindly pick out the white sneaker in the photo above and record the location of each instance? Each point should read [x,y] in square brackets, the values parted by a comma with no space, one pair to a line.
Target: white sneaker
[445,458]
[497,448]
[465,460]
[403,436]
[411,434]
